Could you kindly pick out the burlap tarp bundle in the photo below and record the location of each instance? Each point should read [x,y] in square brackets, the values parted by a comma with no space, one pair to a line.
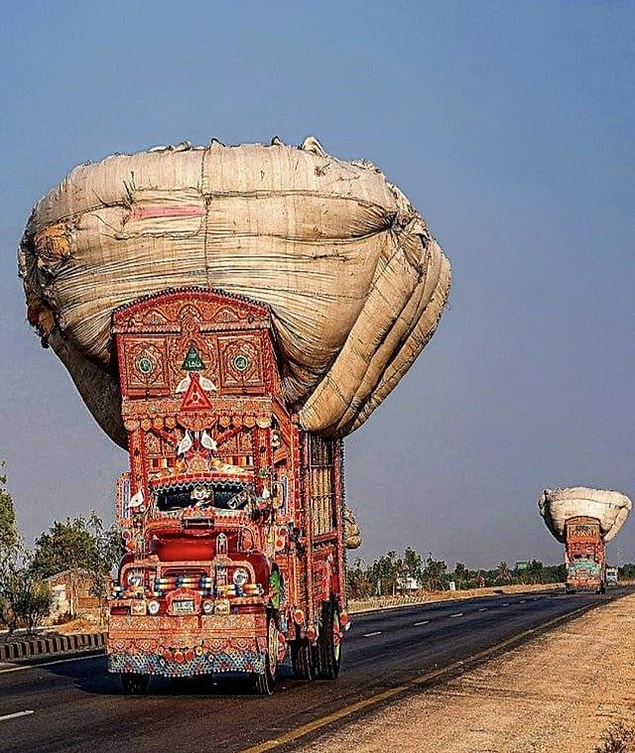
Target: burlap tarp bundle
[355,282]
[352,532]
[557,506]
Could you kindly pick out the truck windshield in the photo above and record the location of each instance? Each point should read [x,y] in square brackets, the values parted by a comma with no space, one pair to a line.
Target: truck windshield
[221,496]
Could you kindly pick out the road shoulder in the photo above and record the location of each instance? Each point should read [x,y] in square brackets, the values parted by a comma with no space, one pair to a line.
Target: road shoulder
[559,693]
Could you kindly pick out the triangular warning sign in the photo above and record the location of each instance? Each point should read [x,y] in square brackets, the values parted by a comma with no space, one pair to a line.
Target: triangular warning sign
[195,398]
[193,361]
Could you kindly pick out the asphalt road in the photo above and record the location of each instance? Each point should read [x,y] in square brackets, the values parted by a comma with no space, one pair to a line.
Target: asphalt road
[73,704]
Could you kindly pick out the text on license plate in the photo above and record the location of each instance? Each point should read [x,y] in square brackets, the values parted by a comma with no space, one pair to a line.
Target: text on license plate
[183,606]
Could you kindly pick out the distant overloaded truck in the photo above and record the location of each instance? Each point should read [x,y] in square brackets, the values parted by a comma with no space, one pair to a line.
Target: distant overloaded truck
[584,519]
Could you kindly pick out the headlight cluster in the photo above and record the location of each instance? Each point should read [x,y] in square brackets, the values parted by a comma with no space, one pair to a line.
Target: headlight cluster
[134,578]
[240,577]
[238,582]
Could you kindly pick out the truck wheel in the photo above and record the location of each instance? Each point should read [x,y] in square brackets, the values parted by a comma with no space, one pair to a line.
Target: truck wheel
[329,646]
[265,683]
[302,659]
[134,683]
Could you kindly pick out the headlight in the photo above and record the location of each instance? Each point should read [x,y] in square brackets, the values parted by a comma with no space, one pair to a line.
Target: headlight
[134,578]
[208,607]
[153,607]
[240,577]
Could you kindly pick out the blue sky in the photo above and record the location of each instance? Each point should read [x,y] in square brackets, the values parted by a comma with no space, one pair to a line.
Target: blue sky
[509,125]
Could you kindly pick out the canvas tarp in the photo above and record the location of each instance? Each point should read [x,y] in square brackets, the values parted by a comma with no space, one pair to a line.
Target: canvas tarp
[355,282]
[557,506]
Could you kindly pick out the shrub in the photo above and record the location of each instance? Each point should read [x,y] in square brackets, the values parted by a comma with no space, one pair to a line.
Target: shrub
[618,739]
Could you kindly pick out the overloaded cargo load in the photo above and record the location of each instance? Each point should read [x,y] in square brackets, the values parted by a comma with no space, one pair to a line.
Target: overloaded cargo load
[354,280]
[610,508]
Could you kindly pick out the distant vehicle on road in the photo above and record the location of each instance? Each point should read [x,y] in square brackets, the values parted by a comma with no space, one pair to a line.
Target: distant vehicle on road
[611,576]
[584,519]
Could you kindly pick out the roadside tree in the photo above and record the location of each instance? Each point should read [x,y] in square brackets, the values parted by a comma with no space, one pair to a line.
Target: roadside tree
[460,575]
[503,573]
[79,545]
[9,534]
[535,570]
[413,564]
[385,574]
[433,573]
[25,599]
[359,581]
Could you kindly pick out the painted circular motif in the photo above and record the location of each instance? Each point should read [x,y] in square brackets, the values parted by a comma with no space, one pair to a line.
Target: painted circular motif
[241,362]
[145,365]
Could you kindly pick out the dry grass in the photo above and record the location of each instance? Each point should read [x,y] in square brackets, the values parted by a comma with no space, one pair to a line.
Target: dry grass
[618,739]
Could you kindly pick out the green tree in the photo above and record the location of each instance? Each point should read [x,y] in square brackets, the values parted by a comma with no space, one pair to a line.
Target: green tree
[503,572]
[385,574]
[535,571]
[359,582]
[627,571]
[433,573]
[555,573]
[66,546]
[107,551]
[9,617]
[413,564]
[9,535]
[25,598]
[460,575]
[79,545]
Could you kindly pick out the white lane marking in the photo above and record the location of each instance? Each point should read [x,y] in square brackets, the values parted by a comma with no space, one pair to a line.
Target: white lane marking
[425,622]
[370,635]
[522,601]
[22,667]
[17,713]
[458,614]
[506,604]
[483,609]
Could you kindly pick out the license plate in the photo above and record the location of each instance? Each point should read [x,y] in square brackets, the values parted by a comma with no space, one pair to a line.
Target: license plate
[183,606]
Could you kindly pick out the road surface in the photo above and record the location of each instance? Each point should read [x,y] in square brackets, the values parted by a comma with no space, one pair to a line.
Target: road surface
[73,704]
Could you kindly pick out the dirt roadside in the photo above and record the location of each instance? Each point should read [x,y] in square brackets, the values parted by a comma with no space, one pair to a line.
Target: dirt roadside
[560,693]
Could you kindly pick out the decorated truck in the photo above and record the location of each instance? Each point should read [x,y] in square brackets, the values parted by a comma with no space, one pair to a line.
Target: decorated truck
[584,519]
[231,513]
[584,555]
[229,315]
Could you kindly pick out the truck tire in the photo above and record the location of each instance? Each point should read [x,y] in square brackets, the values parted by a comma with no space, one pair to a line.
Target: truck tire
[329,645]
[134,683]
[302,659]
[264,684]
